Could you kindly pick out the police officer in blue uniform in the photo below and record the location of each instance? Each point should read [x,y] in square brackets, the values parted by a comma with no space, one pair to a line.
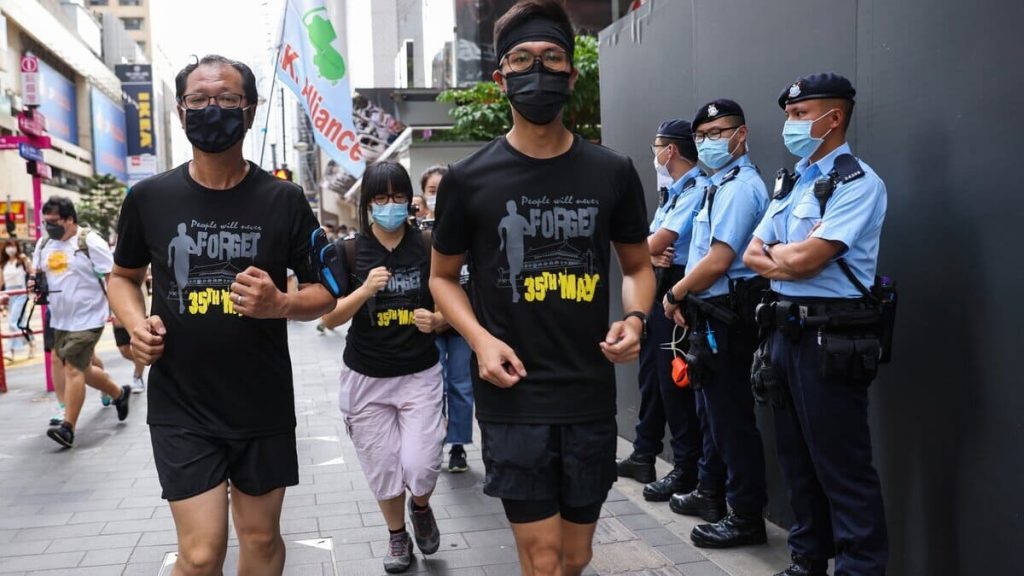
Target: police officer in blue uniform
[661,400]
[720,293]
[818,243]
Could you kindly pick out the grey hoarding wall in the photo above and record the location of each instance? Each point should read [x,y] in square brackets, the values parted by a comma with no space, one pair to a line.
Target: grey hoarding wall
[936,117]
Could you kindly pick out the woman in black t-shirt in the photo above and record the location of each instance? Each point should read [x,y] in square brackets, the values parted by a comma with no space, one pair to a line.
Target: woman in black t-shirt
[391,379]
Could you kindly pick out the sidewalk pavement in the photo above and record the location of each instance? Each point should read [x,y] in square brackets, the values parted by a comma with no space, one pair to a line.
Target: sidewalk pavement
[96,510]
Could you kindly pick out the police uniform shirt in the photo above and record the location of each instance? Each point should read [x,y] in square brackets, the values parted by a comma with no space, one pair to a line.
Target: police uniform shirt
[738,206]
[682,208]
[853,216]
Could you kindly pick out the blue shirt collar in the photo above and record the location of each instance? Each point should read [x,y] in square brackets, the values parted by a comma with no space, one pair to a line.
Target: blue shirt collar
[742,161]
[677,186]
[824,165]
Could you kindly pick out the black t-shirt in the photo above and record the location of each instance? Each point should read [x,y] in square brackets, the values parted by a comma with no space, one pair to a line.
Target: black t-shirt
[546,225]
[383,341]
[220,373]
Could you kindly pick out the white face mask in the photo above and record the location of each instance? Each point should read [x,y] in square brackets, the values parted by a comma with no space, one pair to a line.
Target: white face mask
[664,176]
[11,250]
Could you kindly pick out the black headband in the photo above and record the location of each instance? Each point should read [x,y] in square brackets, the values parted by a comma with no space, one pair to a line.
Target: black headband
[532,29]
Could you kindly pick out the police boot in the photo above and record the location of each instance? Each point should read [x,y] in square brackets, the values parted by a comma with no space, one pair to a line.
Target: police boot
[710,506]
[804,566]
[731,531]
[675,481]
[638,467]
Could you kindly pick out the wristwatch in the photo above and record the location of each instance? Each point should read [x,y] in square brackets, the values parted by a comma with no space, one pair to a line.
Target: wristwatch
[767,249]
[643,322]
[671,298]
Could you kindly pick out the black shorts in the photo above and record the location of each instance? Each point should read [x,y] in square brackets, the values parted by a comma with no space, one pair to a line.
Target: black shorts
[189,463]
[121,336]
[561,468]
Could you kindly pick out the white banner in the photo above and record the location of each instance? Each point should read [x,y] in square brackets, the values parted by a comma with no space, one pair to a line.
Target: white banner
[312,65]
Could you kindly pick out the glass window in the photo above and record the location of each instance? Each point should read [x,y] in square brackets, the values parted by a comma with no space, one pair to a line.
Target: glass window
[132,23]
[129,2]
[98,2]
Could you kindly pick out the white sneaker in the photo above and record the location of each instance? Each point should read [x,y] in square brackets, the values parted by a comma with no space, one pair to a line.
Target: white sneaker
[58,416]
[138,385]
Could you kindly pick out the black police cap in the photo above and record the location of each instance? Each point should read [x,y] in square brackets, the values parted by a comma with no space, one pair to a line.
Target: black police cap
[680,131]
[717,109]
[675,128]
[816,87]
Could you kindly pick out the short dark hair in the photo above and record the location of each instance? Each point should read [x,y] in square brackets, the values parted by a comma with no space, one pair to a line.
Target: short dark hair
[685,148]
[435,169]
[381,178]
[523,9]
[62,206]
[248,78]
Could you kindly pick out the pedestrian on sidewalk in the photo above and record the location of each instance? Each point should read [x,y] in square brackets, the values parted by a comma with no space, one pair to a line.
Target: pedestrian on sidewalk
[74,261]
[221,403]
[17,268]
[123,340]
[455,356]
[390,379]
[536,213]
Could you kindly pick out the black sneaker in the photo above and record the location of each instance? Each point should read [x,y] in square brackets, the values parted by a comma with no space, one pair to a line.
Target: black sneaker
[457,459]
[675,482]
[708,505]
[424,527]
[399,556]
[122,403]
[62,434]
[732,531]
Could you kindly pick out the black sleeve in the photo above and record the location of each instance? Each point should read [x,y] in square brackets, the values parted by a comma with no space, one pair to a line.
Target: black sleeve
[629,218]
[303,223]
[131,251]
[451,231]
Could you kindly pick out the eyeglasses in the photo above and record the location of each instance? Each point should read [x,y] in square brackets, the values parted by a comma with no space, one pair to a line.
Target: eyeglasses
[396,197]
[226,100]
[713,134]
[553,60]
[655,147]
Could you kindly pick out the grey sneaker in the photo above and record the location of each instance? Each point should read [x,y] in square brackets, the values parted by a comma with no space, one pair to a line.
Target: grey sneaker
[399,556]
[424,526]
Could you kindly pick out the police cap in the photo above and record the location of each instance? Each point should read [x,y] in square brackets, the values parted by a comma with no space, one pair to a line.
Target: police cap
[816,87]
[679,130]
[717,109]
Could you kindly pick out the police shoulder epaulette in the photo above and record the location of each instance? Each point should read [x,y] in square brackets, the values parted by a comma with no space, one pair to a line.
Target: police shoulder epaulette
[689,184]
[847,169]
[729,176]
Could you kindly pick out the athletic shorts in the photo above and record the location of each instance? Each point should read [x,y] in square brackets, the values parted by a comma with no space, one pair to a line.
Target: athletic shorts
[76,347]
[566,468]
[121,336]
[189,463]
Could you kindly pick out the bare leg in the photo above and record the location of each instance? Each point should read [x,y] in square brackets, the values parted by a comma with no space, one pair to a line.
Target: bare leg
[393,511]
[74,393]
[202,525]
[540,546]
[258,525]
[577,547]
[100,380]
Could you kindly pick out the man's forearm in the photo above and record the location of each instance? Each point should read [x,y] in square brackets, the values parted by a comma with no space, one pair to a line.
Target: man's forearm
[765,266]
[453,303]
[126,300]
[638,288]
[310,302]
[787,259]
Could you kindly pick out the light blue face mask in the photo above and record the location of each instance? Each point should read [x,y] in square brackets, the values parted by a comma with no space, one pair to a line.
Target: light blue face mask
[715,153]
[797,136]
[390,216]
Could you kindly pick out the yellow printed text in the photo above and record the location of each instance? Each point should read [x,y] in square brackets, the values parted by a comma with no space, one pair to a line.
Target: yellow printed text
[402,317]
[202,301]
[581,288]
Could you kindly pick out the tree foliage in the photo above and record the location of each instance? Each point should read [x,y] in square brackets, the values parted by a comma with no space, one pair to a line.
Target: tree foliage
[100,204]
[482,112]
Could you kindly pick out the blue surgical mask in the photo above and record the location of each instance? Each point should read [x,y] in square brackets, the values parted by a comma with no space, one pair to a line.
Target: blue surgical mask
[797,136]
[390,216]
[715,153]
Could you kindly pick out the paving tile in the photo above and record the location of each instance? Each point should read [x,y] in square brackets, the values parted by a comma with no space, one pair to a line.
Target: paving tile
[64,560]
[658,536]
[680,553]
[56,532]
[706,568]
[87,543]
[638,521]
[118,556]
[23,548]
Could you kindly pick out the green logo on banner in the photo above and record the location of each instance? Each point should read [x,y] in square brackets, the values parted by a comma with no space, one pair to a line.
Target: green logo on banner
[321,33]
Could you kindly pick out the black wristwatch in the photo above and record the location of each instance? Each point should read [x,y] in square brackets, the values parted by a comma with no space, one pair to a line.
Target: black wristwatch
[643,322]
[671,298]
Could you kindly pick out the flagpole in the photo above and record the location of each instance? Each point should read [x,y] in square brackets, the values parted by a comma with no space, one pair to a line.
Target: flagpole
[273,83]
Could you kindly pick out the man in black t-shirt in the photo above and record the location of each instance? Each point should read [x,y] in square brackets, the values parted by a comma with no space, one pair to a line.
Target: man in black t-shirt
[219,233]
[535,214]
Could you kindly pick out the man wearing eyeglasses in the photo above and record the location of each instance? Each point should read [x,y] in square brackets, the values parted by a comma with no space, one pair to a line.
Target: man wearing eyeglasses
[720,294]
[661,400]
[219,233]
[536,214]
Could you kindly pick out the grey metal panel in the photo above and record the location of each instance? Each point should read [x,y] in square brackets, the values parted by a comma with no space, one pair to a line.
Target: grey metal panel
[937,118]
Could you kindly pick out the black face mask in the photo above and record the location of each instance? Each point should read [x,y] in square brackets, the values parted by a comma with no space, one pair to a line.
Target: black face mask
[538,94]
[214,129]
[55,231]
